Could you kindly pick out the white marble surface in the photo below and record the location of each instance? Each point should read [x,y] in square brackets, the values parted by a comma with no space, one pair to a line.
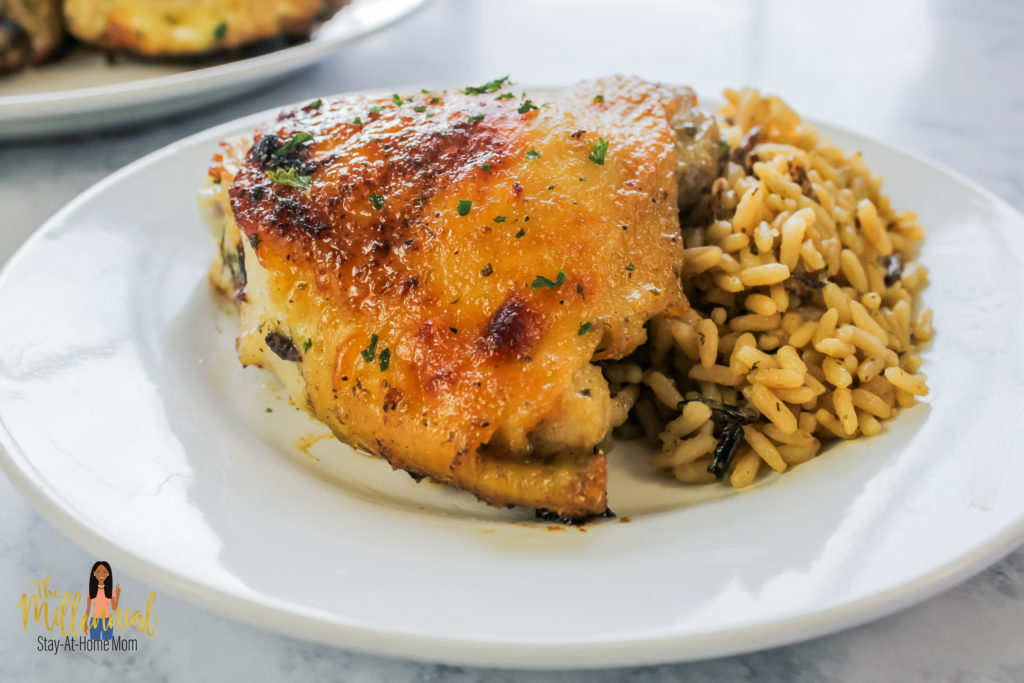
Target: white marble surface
[940,78]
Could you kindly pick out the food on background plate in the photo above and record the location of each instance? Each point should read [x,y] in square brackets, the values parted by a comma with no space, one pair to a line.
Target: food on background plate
[178,28]
[432,274]
[30,32]
[482,285]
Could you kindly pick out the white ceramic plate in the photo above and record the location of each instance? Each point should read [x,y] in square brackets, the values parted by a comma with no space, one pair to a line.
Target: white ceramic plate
[81,90]
[128,422]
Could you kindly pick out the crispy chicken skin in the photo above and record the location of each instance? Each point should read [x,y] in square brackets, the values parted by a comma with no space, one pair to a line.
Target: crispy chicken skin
[30,32]
[437,294]
[174,28]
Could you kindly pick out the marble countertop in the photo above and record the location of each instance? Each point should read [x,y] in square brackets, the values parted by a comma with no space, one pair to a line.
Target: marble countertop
[939,78]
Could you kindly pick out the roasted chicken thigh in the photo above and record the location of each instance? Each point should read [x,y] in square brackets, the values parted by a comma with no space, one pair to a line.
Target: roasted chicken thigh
[432,274]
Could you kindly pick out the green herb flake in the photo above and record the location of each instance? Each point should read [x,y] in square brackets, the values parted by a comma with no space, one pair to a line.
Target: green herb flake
[396,99]
[464,206]
[541,282]
[486,168]
[629,267]
[269,410]
[290,177]
[499,219]
[220,30]
[584,328]
[723,151]
[307,345]
[357,121]
[370,351]
[315,104]
[377,200]
[420,108]
[527,107]
[487,271]
[505,96]
[490,86]
[434,100]
[300,138]
[522,231]
[599,97]
[430,114]
[533,154]
[385,359]
[600,150]
[375,109]
[475,118]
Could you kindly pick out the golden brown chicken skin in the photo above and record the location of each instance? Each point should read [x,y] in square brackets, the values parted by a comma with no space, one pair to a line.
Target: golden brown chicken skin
[432,275]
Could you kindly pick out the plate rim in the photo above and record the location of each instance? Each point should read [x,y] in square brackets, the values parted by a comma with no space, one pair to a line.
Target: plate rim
[647,649]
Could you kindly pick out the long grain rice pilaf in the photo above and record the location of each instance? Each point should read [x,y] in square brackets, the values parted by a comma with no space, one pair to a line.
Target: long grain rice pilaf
[804,327]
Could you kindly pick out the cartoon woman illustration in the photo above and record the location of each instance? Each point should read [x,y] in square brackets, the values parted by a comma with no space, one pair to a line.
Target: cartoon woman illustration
[101,627]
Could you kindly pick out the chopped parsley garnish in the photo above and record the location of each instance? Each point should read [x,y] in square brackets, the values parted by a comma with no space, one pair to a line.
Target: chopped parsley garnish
[599,98]
[377,200]
[522,231]
[584,328]
[533,154]
[434,100]
[527,106]
[370,351]
[487,270]
[269,410]
[464,206]
[375,109]
[385,359]
[357,121]
[307,345]
[429,114]
[315,104]
[499,219]
[505,96]
[299,138]
[396,99]
[629,267]
[541,282]
[290,177]
[419,108]
[490,86]
[476,118]
[600,149]
[486,168]
[220,30]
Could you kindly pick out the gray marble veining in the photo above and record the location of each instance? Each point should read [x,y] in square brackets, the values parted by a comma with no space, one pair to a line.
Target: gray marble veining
[940,78]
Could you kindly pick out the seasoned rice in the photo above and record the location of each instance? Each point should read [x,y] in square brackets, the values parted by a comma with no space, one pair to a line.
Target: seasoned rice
[804,327]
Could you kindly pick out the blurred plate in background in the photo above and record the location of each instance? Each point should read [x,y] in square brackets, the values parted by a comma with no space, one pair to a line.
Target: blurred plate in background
[83,90]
